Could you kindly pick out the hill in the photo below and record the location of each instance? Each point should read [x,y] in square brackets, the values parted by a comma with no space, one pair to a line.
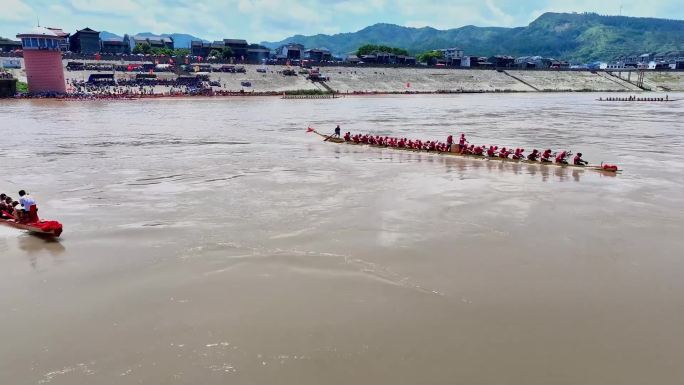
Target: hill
[577,37]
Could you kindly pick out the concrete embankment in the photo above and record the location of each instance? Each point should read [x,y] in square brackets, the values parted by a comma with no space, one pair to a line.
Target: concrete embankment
[422,80]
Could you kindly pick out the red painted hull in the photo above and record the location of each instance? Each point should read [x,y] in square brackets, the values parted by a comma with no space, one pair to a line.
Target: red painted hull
[50,228]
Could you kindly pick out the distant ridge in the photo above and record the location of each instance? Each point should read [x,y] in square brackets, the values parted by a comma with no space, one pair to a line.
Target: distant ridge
[579,37]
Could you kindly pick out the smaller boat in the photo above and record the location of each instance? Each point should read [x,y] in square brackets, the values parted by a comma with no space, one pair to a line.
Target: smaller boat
[34,225]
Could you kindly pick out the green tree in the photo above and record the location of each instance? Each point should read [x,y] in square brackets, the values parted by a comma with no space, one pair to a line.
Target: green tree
[367,49]
[226,53]
[181,52]
[161,51]
[430,56]
[144,48]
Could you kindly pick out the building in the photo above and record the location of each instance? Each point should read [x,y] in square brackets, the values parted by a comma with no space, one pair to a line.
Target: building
[116,46]
[258,55]
[533,62]
[352,59]
[64,45]
[155,41]
[501,61]
[452,56]
[43,61]
[292,51]
[9,45]
[85,41]
[480,62]
[239,48]
[318,55]
[200,48]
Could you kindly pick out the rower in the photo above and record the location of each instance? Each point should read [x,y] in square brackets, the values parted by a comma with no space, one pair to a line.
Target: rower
[491,151]
[3,205]
[470,150]
[533,156]
[518,153]
[461,142]
[504,153]
[338,130]
[478,150]
[546,156]
[15,211]
[578,161]
[561,158]
[347,137]
[450,142]
[26,202]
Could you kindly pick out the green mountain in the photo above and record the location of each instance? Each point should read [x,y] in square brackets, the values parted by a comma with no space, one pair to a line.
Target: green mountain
[578,37]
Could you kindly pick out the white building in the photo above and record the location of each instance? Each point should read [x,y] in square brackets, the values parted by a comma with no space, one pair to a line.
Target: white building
[452,55]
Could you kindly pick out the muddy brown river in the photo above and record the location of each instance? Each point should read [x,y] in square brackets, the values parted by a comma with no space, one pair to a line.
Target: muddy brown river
[212,241]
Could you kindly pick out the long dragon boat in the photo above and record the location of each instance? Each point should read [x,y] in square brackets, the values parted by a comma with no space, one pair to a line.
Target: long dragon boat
[601,168]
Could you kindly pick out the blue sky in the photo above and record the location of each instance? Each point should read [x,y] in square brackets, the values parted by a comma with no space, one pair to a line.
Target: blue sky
[257,20]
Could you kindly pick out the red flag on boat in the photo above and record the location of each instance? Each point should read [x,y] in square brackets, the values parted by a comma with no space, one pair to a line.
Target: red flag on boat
[309,130]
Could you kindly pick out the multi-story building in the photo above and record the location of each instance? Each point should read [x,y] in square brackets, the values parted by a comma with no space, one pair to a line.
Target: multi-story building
[317,55]
[155,41]
[452,56]
[85,41]
[239,48]
[292,51]
[200,48]
[9,45]
[117,46]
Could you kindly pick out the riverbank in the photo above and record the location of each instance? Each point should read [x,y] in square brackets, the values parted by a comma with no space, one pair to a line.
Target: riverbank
[274,80]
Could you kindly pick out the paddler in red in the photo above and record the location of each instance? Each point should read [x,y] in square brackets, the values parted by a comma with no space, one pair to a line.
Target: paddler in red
[347,137]
[478,150]
[533,156]
[561,158]
[461,143]
[504,153]
[546,156]
[450,142]
[470,150]
[518,153]
[578,161]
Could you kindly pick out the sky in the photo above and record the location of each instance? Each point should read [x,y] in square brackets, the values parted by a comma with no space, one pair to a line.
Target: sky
[274,20]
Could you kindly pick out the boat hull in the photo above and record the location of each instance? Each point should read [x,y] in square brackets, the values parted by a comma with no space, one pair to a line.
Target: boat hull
[46,228]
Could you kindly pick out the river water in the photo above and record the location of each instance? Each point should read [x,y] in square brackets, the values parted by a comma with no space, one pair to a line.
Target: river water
[212,241]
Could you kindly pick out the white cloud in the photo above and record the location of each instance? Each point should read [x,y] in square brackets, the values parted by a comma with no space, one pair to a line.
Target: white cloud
[15,10]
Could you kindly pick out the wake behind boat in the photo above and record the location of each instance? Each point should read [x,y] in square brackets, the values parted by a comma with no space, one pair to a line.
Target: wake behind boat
[462,150]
